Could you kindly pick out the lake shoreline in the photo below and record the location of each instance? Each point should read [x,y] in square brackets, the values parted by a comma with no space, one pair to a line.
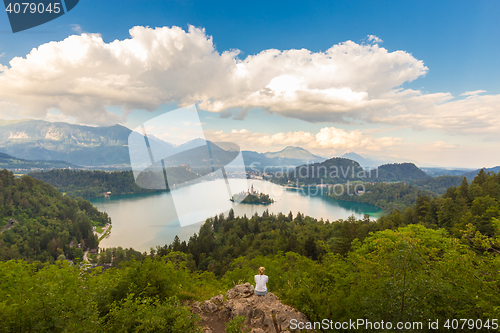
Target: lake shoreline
[146,220]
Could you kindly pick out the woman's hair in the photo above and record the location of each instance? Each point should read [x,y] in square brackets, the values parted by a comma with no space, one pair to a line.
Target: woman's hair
[261,270]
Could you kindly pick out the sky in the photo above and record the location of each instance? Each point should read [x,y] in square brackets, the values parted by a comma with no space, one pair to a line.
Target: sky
[406,81]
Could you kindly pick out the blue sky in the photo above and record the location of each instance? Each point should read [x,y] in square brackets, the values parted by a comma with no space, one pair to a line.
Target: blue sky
[455,43]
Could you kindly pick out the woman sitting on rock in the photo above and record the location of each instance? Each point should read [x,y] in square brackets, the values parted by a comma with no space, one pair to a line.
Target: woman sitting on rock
[260,282]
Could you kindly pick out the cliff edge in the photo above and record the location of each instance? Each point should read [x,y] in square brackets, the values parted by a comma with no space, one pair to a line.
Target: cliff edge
[263,314]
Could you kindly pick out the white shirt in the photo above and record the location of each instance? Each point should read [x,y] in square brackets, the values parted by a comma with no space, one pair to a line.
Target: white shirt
[260,282]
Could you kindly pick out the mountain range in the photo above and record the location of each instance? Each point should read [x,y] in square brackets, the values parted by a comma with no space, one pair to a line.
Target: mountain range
[108,146]
[31,142]
[75,144]
[290,156]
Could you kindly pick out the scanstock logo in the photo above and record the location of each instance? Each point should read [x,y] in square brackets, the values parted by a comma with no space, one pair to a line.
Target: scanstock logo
[170,152]
[26,14]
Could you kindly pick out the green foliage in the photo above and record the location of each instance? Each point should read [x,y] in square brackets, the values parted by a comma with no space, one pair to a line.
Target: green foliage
[47,224]
[52,299]
[477,204]
[236,325]
[438,185]
[388,196]
[221,240]
[398,172]
[149,315]
[253,198]
[140,296]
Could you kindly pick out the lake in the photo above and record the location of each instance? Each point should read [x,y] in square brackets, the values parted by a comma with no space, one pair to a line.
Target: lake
[143,221]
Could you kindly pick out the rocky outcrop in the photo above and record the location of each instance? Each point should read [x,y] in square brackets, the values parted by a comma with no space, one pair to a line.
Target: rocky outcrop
[9,225]
[263,314]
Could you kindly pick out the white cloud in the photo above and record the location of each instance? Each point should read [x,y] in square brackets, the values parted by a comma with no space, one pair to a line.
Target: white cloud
[331,137]
[440,145]
[473,93]
[76,28]
[375,39]
[327,138]
[475,114]
[82,75]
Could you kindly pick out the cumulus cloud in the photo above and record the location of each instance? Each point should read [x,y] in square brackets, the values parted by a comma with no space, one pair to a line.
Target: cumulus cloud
[82,75]
[327,138]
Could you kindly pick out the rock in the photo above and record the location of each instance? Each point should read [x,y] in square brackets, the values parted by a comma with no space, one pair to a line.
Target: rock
[195,308]
[240,291]
[263,314]
[218,300]
[209,307]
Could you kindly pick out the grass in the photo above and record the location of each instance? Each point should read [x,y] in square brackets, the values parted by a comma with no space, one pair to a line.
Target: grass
[105,234]
[99,229]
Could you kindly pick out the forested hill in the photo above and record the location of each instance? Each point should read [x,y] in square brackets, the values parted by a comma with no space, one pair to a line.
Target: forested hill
[331,171]
[24,166]
[468,207]
[339,170]
[39,223]
[398,172]
[92,184]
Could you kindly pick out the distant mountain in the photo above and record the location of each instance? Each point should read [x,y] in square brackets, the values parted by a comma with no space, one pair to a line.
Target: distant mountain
[436,172]
[76,144]
[470,175]
[23,165]
[363,161]
[295,153]
[290,156]
[108,146]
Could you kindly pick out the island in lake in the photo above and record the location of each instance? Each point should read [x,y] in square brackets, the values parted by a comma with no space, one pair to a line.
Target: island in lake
[252,197]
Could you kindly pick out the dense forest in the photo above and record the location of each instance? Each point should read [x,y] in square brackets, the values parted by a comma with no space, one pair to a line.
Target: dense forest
[388,196]
[437,259]
[39,223]
[93,184]
[438,185]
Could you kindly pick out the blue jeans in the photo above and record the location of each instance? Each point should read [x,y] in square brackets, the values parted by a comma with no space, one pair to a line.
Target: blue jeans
[260,293]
